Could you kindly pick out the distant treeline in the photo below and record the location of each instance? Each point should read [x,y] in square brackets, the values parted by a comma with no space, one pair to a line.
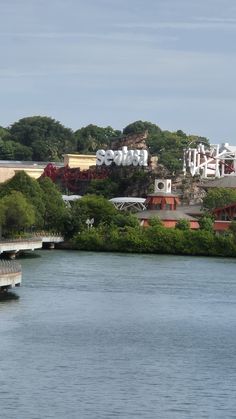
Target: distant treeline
[41,138]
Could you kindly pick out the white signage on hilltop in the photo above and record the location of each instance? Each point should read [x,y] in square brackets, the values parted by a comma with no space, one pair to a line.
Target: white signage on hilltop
[122,157]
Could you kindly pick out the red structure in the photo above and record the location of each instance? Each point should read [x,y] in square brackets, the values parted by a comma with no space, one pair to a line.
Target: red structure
[224,216]
[227,213]
[162,201]
[74,179]
[164,206]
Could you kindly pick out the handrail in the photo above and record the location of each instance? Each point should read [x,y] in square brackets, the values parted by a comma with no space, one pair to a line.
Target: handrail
[47,234]
[20,240]
[9,266]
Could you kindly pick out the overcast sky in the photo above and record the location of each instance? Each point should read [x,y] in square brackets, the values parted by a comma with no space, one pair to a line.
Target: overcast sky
[112,62]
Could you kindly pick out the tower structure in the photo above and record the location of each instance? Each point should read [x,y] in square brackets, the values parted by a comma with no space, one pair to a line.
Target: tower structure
[162,198]
[210,161]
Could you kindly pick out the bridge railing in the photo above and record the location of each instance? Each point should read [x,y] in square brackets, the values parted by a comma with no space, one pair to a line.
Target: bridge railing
[46,234]
[9,266]
[20,240]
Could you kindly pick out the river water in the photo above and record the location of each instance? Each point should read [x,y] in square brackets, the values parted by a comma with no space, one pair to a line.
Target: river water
[99,335]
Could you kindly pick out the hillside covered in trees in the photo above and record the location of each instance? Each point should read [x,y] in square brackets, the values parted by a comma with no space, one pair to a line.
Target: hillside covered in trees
[41,138]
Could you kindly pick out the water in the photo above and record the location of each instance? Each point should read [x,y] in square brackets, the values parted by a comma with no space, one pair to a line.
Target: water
[119,336]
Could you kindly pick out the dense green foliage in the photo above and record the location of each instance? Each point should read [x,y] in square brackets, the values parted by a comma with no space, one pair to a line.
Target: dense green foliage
[46,138]
[42,197]
[116,231]
[206,222]
[91,138]
[218,197]
[139,127]
[19,213]
[31,190]
[156,239]
[55,211]
[90,207]
[108,188]
[11,150]
[168,146]
[182,224]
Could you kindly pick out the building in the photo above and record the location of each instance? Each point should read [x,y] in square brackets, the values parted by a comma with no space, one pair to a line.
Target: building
[8,169]
[163,204]
[82,161]
[224,217]
[35,169]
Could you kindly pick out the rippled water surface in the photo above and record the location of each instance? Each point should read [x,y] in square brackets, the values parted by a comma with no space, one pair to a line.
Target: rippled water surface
[96,335]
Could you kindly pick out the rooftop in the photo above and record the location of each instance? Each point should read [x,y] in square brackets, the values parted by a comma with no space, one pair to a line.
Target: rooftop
[224,182]
[165,215]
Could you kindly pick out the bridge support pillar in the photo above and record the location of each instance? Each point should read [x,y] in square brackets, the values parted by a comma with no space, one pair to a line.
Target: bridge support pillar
[11,255]
[49,245]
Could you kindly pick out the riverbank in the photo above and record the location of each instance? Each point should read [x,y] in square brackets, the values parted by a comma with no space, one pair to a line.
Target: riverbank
[155,239]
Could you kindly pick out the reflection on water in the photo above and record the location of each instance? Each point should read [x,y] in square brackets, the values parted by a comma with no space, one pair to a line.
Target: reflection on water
[28,255]
[8,296]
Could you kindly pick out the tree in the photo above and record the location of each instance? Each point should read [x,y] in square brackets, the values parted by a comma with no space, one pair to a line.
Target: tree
[105,187]
[218,197]
[168,146]
[31,190]
[19,213]
[139,127]
[182,224]
[91,207]
[92,138]
[156,222]
[10,150]
[4,133]
[206,222]
[47,138]
[55,210]
[6,150]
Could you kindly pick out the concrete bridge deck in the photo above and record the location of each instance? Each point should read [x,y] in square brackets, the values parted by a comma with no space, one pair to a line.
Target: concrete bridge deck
[49,240]
[13,246]
[10,275]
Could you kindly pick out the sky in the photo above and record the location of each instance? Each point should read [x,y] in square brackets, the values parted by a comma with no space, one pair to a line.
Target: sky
[112,62]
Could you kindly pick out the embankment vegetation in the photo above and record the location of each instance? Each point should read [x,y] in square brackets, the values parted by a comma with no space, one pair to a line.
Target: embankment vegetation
[93,223]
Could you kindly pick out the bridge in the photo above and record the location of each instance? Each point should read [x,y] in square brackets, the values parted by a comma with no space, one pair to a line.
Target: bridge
[10,275]
[49,239]
[10,247]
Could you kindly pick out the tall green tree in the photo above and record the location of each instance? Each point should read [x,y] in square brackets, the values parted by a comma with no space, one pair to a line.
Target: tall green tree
[4,133]
[139,127]
[31,190]
[91,207]
[47,138]
[10,150]
[55,211]
[92,138]
[218,197]
[19,214]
